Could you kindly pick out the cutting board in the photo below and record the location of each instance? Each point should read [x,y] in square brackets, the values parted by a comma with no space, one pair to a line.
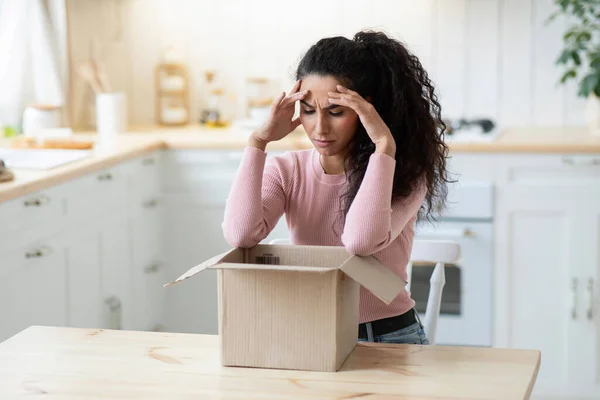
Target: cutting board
[51,143]
[41,158]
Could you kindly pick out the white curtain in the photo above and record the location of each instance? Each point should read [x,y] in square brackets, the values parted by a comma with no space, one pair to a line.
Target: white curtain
[32,56]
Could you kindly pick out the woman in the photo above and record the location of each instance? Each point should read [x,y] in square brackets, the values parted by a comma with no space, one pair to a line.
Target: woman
[378,164]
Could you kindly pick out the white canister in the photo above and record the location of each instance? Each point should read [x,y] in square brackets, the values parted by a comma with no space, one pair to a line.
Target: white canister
[38,117]
[111,116]
[174,115]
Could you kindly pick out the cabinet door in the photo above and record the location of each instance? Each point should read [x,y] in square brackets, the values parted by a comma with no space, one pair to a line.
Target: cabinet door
[588,300]
[99,193]
[116,275]
[85,295]
[194,232]
[148,270]
[538,279]
[33,286]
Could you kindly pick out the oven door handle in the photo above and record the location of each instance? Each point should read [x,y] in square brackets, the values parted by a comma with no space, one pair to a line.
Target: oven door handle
[447,234]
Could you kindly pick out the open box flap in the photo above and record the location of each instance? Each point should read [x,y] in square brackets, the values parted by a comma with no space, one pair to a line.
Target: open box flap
[230,255]
[374,276]
[271,267]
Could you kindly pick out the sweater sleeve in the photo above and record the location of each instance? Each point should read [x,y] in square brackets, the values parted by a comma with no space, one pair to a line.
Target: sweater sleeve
[372,223]
[257,198]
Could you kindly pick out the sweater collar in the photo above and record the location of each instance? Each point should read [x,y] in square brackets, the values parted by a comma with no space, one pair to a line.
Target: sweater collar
[320,174]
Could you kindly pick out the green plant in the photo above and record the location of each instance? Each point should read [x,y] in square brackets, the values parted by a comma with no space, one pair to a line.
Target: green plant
[581,53]
[9,131]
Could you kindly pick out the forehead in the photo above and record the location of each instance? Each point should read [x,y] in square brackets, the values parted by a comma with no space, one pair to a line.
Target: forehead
[318,86]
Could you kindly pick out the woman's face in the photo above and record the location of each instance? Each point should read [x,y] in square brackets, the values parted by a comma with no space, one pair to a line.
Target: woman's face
[330,127]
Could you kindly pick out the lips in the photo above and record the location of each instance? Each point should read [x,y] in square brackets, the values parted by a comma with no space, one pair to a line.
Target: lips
[323,143]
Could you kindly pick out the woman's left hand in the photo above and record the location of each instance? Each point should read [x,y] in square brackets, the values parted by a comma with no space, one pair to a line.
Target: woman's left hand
[376,128]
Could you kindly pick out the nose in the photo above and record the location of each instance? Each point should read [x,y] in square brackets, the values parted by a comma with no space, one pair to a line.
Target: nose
[322,125]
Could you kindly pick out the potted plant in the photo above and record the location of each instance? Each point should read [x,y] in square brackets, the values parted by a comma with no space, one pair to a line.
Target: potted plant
[580,56]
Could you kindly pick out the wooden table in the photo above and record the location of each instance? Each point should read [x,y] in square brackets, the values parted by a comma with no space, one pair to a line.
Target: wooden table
[68,363]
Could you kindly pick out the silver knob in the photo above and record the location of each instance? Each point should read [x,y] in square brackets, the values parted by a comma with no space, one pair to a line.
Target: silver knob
[115,316]
[38,253]
[150,203]
[105,177]
[37,202]
[150,269]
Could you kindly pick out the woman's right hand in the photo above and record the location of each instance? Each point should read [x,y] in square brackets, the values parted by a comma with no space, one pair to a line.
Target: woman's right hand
[279,124]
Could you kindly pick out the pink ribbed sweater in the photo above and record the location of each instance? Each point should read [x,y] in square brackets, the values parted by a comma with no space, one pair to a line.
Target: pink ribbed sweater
[295,184]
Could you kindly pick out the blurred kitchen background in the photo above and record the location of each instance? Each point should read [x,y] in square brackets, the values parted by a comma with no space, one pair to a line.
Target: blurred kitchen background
[490,59]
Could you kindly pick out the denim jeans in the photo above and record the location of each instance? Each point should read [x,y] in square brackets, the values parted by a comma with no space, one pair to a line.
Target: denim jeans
[412,334]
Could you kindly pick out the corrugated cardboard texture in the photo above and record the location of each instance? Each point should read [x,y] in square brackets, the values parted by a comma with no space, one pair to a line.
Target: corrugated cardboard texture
[279,319]
[375,277]
[348,295]
[272,267]
[314,256]
[231,256]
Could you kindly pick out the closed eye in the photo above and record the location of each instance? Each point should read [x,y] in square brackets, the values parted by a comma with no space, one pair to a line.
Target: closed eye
[332,113]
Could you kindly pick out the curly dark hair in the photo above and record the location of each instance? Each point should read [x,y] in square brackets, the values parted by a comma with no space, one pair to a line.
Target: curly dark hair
[383,70]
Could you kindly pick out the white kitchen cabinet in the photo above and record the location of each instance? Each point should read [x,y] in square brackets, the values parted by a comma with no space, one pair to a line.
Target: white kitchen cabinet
[84,278]
[196,184]
[148,268]
[33,285]
[143,182]
[101,193]
[194,232]
[588,300]
[547,239]
[42,212]
[116,293]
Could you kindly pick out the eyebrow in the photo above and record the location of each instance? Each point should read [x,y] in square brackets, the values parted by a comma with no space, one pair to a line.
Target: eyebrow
[326,108]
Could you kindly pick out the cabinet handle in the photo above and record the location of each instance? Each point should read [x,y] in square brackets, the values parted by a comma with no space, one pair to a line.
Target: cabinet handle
[105,177]
[574,305]
[38,253]
[581,162]
[37,202]
[115,316]
[590,290]
[150,269]
[150,203]
[148,161]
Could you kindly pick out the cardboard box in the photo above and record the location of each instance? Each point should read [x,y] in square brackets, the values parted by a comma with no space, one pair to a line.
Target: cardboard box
[293,307]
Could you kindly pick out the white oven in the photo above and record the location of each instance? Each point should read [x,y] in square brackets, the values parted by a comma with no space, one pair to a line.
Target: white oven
[466,307]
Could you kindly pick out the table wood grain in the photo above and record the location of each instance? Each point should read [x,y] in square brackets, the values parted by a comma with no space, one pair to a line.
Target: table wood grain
[73,363]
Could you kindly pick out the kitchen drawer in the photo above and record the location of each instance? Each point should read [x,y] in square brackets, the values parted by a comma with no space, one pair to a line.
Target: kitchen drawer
[208,173]
[95,194]
[191,171]
[17,254]
[149,277]
[33,286]
[143,176]
[41,209]
[147,233]
[145,205]
[556,169]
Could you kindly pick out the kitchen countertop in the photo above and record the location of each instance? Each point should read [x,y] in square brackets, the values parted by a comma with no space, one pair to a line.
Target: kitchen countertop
[92,363]
[140,140]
